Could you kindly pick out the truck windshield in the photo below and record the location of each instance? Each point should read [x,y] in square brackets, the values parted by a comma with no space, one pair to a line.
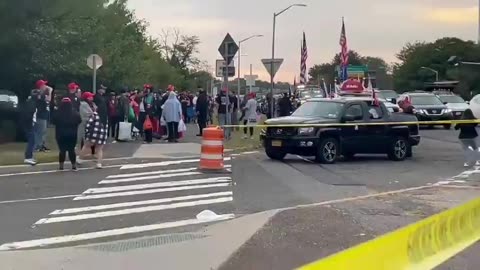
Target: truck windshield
[322,109]
[426,100]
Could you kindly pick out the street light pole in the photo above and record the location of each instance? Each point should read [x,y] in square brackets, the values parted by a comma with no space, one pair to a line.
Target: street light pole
[478,40]
[434,71]
[239,57]
[272,101]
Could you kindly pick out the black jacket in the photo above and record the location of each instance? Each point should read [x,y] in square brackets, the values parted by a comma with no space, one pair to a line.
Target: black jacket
[202,104]
[467,131]
[285,106]
[102,107]
[66,125]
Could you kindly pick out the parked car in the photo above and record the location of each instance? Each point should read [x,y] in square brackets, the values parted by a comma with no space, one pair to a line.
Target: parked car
[328,143]
[9,110]
[388,95]
[427,107]
[455,103]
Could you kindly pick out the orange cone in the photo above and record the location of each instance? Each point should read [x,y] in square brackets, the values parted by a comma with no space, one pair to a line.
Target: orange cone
[211,157]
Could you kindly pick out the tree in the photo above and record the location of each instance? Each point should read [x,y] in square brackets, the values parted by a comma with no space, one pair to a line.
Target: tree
[409,74]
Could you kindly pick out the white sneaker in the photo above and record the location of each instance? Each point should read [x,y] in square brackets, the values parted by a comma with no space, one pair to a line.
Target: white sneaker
[99,165]
[245,137]
[252,138]
[30,161]
[466,165]
[477,163]
[80,161]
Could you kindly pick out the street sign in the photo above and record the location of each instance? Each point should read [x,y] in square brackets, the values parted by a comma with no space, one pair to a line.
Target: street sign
[276,65]
[94,61]
[228,48]
[250,79]
[220,69]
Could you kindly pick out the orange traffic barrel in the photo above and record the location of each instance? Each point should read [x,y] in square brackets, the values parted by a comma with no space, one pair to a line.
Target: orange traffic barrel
[211,157]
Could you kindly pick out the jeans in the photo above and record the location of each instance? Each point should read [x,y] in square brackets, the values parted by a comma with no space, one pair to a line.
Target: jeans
[470,150]
[40,132]
[30,144]
[222,121]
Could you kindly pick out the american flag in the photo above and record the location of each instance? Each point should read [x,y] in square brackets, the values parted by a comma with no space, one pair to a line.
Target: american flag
[344,53]
[303,61]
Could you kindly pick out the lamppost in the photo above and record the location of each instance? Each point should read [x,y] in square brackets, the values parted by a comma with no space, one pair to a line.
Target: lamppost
[275,15]
[239,57]
[432,70]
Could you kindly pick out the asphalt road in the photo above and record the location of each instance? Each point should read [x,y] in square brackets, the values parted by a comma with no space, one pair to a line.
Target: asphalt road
[133,197]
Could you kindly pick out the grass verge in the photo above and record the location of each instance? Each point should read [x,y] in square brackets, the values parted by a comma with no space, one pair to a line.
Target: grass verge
[13,153]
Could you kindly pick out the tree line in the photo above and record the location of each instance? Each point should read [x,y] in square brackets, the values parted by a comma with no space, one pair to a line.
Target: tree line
[51,39]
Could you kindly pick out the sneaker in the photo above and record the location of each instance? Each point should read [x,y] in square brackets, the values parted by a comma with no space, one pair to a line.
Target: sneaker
[466,165]
[74,168]
[252,138]
[99,166]
[477,163]
[245,137]
[30,161]
[80,161]
[61,168]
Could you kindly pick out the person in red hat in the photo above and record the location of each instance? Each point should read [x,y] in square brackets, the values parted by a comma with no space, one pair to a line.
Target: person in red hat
[42,115]
[73,95]
[66,121]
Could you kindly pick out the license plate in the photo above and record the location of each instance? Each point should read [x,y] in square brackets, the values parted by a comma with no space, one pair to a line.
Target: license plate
[277,143]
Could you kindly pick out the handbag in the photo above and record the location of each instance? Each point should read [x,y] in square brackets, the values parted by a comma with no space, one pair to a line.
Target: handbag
[147,125]
[125,131]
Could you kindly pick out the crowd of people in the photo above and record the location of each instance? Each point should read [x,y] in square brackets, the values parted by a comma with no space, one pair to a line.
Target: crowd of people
[84,122]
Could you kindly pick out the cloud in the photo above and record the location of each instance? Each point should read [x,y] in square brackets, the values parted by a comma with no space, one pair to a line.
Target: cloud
[467,15]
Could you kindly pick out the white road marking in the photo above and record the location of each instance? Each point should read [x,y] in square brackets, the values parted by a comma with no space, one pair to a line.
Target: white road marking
[138,203]
[108,233]
[54,171]
[148,191]
[133,179]
[127,175]
[56,163]
[40,199]
[163,163]
[212,180]
[130,211]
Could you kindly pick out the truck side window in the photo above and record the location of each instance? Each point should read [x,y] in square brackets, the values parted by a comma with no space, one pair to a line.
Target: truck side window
[355,111]
[375,112]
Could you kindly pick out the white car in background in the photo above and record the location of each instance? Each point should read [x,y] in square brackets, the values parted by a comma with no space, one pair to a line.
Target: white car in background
[455,103]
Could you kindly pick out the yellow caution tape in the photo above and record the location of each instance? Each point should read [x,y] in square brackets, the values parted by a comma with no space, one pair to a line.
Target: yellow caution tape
[422,245]
[431,123]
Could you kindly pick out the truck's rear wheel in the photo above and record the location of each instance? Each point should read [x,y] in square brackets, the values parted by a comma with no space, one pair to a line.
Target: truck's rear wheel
[398,150]
[328,151]
[275,153]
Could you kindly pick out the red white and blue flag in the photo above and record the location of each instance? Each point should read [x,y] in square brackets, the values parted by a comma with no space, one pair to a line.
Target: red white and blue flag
[303,61]
[344,53]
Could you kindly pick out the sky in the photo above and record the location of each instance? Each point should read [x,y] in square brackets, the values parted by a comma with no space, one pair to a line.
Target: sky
[374,27]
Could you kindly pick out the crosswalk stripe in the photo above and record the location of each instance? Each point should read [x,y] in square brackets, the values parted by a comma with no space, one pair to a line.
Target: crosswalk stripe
[143,178]
[138,203]
[128,175]
[212,180]
[130,211]
[163,163]
[148,191]
[107,233]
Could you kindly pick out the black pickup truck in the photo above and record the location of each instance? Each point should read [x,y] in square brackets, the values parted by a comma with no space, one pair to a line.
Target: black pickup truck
[328,143]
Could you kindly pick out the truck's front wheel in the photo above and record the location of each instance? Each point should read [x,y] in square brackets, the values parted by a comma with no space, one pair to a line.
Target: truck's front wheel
[399,149]
[328,151]
[275,153]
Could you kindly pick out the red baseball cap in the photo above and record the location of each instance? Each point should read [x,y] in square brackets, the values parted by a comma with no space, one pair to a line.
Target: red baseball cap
[87,95]
[72,86]
[40,83]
